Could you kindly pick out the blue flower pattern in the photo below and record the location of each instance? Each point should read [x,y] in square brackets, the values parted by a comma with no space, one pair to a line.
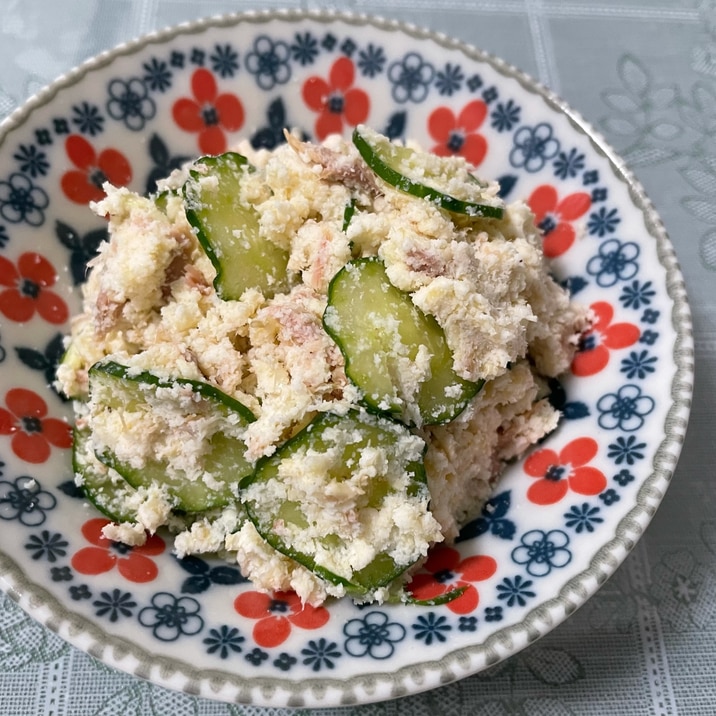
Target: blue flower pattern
[268,61]
[130,103]
[569,164]
[285,661]
[449,80]
[431,627]
[623,477]
[224,641]
[225,60]
[533,147]
[609,497]
[371,60]
[649,337]
[114,605]
[637,294]
[61,574]
[88,118]
[603,221]
[79,592]
[169,617]
[626,450]
[31,160]
[638,365]
[616,261]
[157,75]
[505,116]
[624,410]
[204,575]
[47,545]
[374,635]
[516,590]
[21,201]
[411,78]
[467,624]
[542,551]
[321,654]
[583,518]
[304,49]
[24,500]
[256,656]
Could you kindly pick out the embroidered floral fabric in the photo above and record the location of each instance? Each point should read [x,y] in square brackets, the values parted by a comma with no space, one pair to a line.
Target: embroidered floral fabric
[632,648]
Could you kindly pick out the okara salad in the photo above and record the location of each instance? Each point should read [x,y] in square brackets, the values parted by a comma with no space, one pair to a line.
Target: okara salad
[314,361]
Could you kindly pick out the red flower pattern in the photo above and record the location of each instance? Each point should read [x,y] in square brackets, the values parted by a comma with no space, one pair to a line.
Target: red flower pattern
[210,114]
[457,134]
[25,288]
[558,473]
[277,614]
[336,100]
[133,563]
[84,184]
[601,338]
[448,572]
[32,431]
[555,217]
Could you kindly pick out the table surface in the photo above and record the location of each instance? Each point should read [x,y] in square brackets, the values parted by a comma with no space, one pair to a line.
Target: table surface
[647,640]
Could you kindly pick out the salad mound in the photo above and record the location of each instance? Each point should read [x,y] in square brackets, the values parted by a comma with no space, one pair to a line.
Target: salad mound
[314,361]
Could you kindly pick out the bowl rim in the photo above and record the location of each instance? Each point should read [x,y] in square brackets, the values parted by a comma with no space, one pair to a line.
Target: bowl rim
[176,673]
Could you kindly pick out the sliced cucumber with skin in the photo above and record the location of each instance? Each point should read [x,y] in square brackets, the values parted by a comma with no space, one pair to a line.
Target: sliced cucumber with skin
[72,361]
[228,230]
[115,387]
[103,487]
[289,496]
[382,335]
[438,601]
[400,167]
[161,199]
[348,214]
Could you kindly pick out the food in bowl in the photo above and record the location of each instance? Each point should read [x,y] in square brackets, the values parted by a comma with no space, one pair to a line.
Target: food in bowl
[315,361]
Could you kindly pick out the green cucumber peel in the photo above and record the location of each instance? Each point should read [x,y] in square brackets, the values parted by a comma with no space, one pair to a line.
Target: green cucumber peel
[97,485]
[360,298]
[127,389]
[317,438]
[384,161]
[228,230]
[438,601]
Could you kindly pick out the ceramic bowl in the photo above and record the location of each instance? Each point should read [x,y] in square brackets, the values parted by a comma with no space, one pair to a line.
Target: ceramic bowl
[560,521]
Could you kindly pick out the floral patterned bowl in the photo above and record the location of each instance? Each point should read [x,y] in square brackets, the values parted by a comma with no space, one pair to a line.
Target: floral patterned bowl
[561,520]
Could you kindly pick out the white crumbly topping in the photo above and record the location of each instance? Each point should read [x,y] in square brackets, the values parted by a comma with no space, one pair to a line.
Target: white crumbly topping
[130,533]
[399,526]
[150,305]
[465,456]
[271,571]
[152,506]
[209,534]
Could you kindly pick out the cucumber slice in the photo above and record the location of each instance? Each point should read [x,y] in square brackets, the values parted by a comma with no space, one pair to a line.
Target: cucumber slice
[142,396]
[71,363]
[161,199]
[438,601]
[348,213]
[327,497]
[228,230]
[105,488]
[406,170]
[394,353]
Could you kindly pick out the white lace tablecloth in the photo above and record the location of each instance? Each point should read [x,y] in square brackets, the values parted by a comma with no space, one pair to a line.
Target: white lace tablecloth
[644,73]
